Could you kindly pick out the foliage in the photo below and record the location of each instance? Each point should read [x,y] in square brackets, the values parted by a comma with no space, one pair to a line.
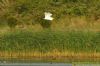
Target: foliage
[46,41]
[32,11]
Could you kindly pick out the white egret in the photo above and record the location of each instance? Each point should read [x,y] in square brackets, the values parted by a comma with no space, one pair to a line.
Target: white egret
[48,16]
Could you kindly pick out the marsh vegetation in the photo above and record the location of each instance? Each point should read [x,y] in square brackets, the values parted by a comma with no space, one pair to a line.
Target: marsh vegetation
[74,30]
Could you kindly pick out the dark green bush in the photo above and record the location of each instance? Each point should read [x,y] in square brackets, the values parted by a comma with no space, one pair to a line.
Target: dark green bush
[46,23]
[12,22]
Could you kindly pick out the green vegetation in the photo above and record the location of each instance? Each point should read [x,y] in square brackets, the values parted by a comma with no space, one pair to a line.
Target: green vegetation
[30,12]
[46,41]
[74,32]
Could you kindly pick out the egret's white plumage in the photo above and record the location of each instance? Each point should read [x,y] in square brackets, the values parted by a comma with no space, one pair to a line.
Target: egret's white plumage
[48,16]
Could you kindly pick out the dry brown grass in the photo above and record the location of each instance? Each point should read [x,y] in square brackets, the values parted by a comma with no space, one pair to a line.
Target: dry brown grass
[76,23]
[54,55]
[63,24]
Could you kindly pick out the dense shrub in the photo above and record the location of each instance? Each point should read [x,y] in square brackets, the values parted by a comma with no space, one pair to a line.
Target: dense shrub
[32,11]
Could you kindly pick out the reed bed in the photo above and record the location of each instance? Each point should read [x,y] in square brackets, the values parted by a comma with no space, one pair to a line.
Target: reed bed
[50,43]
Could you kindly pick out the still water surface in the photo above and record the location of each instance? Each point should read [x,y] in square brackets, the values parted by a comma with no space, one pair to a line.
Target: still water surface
[34,64]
